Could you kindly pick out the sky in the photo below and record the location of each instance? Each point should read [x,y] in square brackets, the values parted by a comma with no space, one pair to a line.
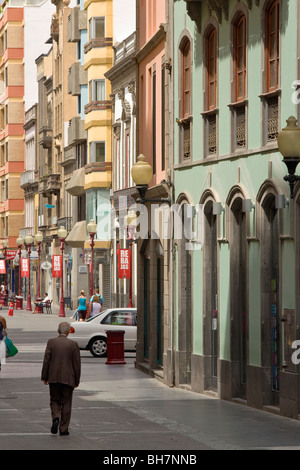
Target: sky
[124,19]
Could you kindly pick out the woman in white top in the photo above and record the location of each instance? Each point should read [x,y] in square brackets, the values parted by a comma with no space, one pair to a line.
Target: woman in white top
[96,306]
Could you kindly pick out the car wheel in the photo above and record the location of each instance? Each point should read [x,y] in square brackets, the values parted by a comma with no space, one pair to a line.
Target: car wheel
[98,347]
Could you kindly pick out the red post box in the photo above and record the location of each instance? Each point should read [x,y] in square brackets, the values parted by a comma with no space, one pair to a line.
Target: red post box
[115,347]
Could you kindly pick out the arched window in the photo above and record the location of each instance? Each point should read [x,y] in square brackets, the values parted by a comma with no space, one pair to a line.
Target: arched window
[185,91]
[211,68]
[239,58]
[239,90]
[210,94]
[272,45]
[270,96]
[186,79]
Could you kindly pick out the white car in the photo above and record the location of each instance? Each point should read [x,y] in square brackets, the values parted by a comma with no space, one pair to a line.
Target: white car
[91,333]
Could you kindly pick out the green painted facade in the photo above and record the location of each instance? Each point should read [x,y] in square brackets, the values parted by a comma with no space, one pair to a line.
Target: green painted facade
[252,170]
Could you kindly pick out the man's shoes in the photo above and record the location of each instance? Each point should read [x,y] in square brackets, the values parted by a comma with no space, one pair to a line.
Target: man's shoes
[64,433]
[54,427]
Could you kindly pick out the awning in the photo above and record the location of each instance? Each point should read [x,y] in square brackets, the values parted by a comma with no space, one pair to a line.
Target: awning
[78,235]
[76,184]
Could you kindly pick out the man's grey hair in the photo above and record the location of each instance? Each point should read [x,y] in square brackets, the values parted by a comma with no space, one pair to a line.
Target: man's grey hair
[64,328]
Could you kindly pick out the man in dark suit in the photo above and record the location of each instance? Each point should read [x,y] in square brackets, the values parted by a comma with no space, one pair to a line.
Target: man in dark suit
[61,370]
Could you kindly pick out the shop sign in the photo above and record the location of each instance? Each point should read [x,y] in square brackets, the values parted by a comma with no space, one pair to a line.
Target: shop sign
[10,254]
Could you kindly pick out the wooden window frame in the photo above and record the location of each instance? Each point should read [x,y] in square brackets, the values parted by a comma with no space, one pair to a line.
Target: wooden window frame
[273,7]
[211,55]
[186,87]
[241,21]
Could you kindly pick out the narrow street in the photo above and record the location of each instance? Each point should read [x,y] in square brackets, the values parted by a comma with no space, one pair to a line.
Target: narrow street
[119,409]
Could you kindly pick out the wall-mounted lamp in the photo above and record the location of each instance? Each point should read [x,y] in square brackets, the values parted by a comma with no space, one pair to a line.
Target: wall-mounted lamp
[141,173]
[247,205]
[218,208]
[289,146]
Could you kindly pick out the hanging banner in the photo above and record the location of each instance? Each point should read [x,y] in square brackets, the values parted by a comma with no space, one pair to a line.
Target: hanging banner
[56,265]
[124,264]
[2,266]
[24,267]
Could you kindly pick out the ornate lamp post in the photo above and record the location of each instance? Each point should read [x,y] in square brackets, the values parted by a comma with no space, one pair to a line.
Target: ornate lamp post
[62,235]
[130,222]
[28,243]
[92,229]
[19,298]
[289,146]
[38,239]
[4,245]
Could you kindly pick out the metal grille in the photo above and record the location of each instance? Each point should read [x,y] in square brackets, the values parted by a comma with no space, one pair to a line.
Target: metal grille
[272,104]
[186,142]
[212,134]
[240,127]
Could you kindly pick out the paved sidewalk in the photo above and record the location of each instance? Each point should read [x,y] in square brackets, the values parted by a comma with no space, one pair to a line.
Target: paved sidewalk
[119,409]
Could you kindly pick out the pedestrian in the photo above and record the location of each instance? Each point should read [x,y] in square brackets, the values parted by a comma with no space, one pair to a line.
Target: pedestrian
[82,307]
[96,292]
[75,315]
[44,302]
[95,306]
[3,333]
[61,371]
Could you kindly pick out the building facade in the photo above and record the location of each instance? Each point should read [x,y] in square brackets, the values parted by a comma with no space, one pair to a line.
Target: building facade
[154,253]
[236,300]
[123,97]
[21,24]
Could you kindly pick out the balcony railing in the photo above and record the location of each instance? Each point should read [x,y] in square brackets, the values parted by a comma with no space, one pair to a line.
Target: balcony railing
[66,222]
[26,178]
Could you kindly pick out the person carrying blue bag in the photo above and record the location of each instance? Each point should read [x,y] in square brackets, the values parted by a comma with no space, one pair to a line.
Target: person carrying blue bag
[3,334]
[7,348]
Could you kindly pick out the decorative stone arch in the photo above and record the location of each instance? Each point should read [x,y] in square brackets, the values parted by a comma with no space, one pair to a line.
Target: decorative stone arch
[237,237]
[210,291]
[268,232]
[184,300]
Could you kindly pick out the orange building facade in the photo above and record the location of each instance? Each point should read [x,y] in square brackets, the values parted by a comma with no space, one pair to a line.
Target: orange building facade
[151,58]
[11,124]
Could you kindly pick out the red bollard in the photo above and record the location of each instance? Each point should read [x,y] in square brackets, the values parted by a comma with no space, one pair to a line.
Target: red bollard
[115,347]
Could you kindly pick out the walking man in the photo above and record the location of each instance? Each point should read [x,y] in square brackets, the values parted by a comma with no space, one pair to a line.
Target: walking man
[61,370]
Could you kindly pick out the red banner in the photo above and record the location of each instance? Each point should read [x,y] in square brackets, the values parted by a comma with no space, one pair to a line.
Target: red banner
[124,264]
[2,266]
[56,265]
[24,267]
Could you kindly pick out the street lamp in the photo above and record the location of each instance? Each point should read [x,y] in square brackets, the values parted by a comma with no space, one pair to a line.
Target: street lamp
[4,245]
[28,243]
[289,146]
[130,222]
[141,173]
[38,239]
[19,298]
[62,235]
[92,229]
